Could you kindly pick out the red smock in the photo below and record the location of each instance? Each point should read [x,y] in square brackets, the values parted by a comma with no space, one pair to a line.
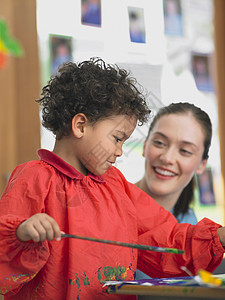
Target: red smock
[106,207]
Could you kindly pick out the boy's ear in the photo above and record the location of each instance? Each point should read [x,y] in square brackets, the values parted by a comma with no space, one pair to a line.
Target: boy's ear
[201,167]
[79,122]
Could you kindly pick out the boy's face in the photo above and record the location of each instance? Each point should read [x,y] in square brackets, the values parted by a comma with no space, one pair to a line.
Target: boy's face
[102,142]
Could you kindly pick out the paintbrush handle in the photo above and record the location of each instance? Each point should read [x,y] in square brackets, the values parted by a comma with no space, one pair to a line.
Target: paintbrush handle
[137,246]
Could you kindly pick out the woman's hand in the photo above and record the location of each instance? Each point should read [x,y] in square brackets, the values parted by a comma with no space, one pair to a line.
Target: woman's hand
[221,234]
[38,228]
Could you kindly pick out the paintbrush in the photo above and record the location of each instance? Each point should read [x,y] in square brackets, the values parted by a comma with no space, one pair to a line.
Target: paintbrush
[137,246]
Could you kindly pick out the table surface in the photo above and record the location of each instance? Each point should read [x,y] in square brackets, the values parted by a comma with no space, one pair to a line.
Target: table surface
[168,292]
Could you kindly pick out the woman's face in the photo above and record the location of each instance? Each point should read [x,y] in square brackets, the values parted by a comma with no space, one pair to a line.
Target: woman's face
[173,154]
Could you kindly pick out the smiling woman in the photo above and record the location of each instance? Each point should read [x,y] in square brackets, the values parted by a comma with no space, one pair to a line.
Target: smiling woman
[175,149]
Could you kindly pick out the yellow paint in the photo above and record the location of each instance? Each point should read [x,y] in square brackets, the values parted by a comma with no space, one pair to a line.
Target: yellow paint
[207,277]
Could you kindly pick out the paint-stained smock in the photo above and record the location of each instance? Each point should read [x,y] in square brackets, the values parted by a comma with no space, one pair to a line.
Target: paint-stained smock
[105,207]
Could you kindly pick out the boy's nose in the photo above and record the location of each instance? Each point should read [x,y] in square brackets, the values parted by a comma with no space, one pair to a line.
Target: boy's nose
[119,150]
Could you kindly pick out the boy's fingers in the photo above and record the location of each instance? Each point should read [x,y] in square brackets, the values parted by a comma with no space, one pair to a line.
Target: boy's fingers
[26,232]
[41,231]
[35,237]
[55,228]
[39,228]
[49,232]
[57,231]
[32,234]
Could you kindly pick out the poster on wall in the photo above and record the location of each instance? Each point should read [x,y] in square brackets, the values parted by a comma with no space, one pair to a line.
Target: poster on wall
[173,17]
[201,69]
[205,187]
[60,51]
[91,12]
[136,24]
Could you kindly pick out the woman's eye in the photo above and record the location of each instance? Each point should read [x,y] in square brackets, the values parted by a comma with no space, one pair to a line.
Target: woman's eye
[158,143]
[186,152]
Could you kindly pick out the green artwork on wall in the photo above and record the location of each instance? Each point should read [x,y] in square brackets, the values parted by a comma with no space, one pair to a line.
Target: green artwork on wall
[8,45]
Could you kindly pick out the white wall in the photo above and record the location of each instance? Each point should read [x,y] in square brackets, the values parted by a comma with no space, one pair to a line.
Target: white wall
[154,63]
[112,43]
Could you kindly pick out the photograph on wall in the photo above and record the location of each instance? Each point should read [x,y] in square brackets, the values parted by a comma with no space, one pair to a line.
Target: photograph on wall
[91,12]
[173,18]
[205,188]
[136,24]
[201,69]
[60,51]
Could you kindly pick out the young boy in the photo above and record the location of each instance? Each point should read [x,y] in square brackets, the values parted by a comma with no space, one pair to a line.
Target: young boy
[92,108]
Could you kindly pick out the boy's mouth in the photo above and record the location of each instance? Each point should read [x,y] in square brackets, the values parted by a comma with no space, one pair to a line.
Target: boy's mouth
[110,162]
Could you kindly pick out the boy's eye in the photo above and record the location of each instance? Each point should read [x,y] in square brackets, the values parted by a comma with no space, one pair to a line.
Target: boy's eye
[117,139]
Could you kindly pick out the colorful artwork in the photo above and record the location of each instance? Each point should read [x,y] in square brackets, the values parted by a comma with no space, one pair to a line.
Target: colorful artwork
[8,45]
[173,17]
[205,188]
[60,51]
[91,12]
[137,25]
[202,71]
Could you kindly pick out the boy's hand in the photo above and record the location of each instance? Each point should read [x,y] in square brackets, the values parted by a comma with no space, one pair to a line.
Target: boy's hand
[39,227]
[221,233]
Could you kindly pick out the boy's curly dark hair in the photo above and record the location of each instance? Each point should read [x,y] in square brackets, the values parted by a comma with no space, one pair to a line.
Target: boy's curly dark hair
[93,88]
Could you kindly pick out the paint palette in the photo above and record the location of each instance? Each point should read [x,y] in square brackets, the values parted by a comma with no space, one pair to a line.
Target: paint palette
[203,286]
